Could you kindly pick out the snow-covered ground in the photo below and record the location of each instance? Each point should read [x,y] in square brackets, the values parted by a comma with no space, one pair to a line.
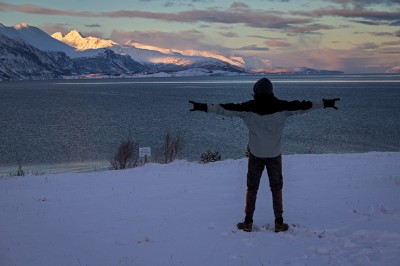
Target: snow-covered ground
[344,209]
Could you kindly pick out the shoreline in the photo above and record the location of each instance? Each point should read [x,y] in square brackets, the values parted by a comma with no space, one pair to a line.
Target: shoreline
[103,166]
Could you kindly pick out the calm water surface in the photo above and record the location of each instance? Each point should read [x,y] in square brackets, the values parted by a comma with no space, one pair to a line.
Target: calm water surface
[76,125]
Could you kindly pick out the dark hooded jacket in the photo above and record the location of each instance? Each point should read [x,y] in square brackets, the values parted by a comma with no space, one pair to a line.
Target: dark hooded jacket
[267,105]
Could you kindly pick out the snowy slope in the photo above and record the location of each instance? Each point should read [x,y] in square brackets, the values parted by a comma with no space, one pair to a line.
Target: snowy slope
[152,56]
[92,61]
[177,53]
[144,53]
[343,209]
[157,59]
[42,41]
[76,39]
[20,60]
[28,53]
[108,63]
[174,60]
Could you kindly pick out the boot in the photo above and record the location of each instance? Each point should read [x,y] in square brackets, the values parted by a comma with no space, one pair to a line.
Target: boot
[247,225]
[280,226]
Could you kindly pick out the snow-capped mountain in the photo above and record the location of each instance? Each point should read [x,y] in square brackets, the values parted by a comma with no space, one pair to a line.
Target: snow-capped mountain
[76,39]
[41,56]
[295,71]
[144,53]
[175,53]
[393,70]
[107,63]
[42,41]
[35,37]
[20,60]
[28,53]
[156,61]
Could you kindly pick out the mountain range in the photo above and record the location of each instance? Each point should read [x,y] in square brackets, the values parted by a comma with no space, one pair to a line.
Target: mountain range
[27,52]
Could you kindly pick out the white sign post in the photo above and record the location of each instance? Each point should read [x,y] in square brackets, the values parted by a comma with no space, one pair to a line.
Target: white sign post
[145,152]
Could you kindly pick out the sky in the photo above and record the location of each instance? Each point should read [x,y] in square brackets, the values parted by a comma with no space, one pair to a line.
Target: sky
[354,36]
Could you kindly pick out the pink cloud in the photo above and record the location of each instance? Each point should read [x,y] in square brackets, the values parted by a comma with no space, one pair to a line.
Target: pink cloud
[190,39]
[351,13]
[276,43]
[58,27]
[350,61]
[34,9]
[257,19]
[239,5]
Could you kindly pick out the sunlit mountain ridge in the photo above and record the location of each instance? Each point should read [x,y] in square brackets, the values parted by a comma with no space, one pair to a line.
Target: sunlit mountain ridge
[77,40]
[75,55]
[165,56]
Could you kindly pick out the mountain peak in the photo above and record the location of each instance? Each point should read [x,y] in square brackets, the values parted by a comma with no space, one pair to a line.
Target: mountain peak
[21,26]
[75,35]
[81,42]
[57,35]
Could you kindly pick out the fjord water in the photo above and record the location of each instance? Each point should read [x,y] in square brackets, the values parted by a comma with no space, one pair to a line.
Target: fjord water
[77,125]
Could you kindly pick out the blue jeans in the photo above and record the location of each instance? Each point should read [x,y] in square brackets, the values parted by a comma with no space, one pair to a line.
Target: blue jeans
[256,167]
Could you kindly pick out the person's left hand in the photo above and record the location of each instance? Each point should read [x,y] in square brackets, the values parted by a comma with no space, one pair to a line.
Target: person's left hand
[198,106]
[330,103]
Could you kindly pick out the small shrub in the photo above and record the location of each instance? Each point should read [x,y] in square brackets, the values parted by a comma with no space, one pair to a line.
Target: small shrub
[170,150]
[210,156]
[19,172]
[127,155]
